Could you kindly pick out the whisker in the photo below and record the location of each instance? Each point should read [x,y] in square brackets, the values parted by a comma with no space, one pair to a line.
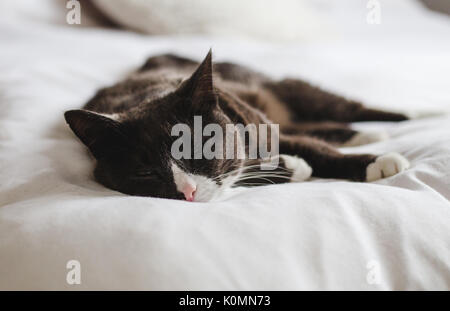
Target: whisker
[233,171]
[264,177]
[249,169]
[251,184]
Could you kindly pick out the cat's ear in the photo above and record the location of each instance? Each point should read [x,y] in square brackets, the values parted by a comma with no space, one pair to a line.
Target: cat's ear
[101,134]
[199,88]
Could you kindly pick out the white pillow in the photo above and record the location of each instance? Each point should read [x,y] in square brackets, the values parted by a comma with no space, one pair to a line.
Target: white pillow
[263,19]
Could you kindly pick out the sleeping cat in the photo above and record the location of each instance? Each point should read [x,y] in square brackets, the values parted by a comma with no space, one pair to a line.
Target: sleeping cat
[127,128]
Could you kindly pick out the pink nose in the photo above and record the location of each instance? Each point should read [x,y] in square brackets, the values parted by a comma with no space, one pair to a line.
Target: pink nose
[189,191]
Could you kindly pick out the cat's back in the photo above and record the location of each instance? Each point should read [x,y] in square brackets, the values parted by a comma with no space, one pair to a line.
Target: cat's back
[163,74]
[138,88]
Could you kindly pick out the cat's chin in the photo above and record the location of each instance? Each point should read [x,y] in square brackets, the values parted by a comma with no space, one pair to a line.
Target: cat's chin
[208,190]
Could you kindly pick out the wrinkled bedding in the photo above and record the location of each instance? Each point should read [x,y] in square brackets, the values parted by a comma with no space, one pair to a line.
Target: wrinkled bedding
[393,234]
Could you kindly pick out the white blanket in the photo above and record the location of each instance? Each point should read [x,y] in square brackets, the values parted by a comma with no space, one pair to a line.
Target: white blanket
[393,234]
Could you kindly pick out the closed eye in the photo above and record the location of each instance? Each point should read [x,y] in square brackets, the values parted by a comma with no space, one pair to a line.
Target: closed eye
[145,175]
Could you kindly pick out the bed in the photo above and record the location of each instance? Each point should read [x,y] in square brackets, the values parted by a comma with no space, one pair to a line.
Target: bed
[393,234]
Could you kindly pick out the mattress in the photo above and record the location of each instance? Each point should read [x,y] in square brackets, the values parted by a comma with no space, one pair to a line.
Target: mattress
[393,234]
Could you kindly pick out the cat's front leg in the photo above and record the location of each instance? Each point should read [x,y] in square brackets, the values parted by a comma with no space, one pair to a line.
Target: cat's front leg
[328,162]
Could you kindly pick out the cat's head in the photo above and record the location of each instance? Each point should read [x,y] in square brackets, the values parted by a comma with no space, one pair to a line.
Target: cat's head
[133,150]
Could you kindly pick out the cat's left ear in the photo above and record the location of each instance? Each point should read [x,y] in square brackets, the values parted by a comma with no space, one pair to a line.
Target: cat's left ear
[199,88]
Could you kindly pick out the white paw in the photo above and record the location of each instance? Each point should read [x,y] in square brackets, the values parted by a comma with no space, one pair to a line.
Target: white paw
[364,138]
[386,165]
[301,171]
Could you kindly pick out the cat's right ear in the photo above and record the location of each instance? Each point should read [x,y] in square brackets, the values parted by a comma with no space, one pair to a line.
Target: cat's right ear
[101,134]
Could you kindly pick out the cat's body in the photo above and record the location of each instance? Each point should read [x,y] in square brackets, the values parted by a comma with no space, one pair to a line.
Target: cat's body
[129,133]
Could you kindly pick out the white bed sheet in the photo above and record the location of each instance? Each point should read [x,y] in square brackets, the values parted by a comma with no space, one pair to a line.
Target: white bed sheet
[313,235]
